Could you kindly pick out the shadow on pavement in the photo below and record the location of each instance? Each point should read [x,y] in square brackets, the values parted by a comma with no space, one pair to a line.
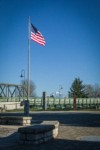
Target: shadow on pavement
[12,143]
[62,144]
[66,118]
[72,119]
[9,141]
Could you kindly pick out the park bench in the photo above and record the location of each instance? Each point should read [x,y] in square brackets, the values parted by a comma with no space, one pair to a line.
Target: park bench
[15,120]
[38,133]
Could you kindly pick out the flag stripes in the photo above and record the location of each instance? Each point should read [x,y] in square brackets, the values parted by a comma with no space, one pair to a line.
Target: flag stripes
[37,36]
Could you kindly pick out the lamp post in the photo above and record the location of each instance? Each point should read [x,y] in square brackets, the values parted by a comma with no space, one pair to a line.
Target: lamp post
[60,88]
[69,94]
[23,75]
[26,102]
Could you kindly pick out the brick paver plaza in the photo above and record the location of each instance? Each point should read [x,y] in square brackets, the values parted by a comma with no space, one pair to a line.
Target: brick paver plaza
[73,126]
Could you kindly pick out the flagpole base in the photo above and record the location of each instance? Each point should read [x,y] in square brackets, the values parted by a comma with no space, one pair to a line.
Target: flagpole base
[26,108]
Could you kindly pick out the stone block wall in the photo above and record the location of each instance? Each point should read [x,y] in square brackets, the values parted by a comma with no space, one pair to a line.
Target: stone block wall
[39,133]
[15,120]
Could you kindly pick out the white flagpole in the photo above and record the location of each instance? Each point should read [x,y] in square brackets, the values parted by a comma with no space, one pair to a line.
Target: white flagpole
[26,104]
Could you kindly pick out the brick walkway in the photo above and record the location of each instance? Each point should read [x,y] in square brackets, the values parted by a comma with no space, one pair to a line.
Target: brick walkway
[73,125]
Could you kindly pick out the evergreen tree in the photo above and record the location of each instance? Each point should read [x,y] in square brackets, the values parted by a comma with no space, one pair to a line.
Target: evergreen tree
[78,89]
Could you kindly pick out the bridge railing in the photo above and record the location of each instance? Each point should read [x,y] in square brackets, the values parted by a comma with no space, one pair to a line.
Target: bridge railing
[56,103]
[66,103]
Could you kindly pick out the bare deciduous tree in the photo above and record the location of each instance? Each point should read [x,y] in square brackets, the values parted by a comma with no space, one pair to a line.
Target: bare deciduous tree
[92,90]
[32,87]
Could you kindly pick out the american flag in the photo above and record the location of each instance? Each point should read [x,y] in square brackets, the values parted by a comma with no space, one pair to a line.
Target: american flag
[37,36]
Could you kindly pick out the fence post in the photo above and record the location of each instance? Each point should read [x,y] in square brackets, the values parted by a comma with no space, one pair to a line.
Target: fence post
[74,102]
[44,101]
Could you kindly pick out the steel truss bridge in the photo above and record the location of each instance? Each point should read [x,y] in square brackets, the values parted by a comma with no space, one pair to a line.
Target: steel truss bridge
[12,92]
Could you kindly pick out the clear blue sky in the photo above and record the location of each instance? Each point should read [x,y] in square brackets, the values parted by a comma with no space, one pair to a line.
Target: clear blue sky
[72,32]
